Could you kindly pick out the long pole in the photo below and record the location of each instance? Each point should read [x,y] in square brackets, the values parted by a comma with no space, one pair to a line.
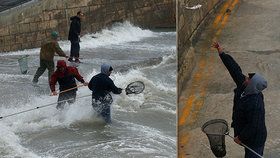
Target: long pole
[69,89]
[247,147]
[38,107]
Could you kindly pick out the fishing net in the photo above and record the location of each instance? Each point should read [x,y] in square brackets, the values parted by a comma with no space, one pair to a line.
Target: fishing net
[216,130]
[135,87]
[23,64]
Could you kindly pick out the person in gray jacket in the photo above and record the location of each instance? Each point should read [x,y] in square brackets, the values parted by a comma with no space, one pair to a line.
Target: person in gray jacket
[248,117]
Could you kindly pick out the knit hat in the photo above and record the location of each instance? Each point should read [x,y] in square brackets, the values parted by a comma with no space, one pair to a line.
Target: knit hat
[54,35]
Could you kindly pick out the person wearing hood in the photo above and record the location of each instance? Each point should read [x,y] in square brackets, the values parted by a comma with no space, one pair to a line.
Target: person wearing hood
[65,76]
[248,118]
[47,52]
[101,85]
[74,36]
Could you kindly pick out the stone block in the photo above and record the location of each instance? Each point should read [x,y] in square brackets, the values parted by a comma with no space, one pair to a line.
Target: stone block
[31,37]
[95,7]
[4,31]
[19,38]
[53,23]
[15,47]
[41,35]
[24,28]
[5,49]
[39,18]
[58,14]
[33,26]
[94,2]
[26,45]
[43,25]
[2,41]
[7,41]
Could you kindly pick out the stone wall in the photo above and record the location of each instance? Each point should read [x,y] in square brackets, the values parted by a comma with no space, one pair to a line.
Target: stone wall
[29,25]
[188,23]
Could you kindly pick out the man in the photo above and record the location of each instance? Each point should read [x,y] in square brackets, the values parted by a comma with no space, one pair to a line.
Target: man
[65,76]
[248,118]
[101,85]
[74,36]
[47,53]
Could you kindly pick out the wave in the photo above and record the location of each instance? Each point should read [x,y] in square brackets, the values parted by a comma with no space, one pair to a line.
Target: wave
[118,33]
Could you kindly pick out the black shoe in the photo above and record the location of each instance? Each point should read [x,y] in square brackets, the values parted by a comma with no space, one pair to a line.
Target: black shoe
[77,60]
[70,59]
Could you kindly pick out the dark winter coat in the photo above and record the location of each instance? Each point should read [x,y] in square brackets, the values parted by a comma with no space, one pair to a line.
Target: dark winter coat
[248,118]
[75,29]
[65,79]
[101,84]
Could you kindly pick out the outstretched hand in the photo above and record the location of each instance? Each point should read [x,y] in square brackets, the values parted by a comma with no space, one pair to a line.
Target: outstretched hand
[217,46]
[53,93]
[237,140]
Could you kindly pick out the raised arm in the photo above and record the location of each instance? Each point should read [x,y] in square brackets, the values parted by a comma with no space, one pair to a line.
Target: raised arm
[231,65]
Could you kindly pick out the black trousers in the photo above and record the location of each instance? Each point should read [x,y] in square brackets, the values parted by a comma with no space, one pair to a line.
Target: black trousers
[75,49]
[69,97]
[103,109]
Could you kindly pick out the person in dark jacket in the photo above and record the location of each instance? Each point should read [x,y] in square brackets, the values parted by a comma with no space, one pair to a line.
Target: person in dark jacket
[248,118]
[74,36]
[47,53]
[65,76]
[101,85]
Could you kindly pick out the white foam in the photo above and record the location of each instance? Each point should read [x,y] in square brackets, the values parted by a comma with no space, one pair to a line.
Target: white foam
[10,143]
[119,33]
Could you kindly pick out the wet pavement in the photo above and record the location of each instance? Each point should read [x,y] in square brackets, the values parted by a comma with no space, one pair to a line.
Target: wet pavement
[250,33]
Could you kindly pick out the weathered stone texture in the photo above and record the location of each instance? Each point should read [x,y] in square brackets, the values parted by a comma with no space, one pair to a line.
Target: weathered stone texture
[188,21]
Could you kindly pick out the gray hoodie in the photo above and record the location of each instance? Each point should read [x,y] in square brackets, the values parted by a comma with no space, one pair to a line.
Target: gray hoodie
[256,85]
[105,69]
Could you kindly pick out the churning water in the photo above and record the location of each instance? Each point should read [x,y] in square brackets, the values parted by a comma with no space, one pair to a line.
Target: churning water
[144,125]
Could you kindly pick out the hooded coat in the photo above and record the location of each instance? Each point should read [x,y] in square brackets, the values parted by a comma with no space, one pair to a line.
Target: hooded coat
[101,84]
[75,29]
[248,118]
[65,79]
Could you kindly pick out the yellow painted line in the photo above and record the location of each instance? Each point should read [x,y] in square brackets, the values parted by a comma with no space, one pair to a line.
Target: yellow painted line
[184,137]
[189,103]
[222,11]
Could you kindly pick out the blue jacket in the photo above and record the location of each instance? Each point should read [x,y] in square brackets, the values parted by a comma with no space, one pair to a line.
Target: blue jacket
[101,84]
[248,117]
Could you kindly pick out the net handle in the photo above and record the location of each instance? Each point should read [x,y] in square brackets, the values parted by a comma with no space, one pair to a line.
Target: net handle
[245,146]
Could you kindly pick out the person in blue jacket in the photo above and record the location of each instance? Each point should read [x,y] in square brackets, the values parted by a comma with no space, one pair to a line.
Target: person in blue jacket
[101,85]
[248,118]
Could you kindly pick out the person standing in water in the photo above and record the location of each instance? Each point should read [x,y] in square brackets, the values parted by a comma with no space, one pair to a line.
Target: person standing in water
[65,76]
[101,85]
[47,53]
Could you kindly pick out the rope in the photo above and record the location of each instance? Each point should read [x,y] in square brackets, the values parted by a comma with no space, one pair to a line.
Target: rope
[38,107]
